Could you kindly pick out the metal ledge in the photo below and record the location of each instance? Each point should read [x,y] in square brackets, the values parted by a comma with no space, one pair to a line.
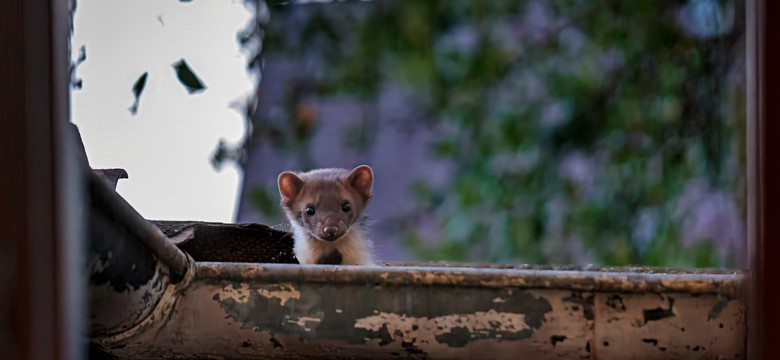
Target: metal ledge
[242,308]
[250,311]
[727,284]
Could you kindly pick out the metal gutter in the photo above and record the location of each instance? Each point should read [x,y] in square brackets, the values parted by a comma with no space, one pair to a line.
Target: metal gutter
[110,202]
[131,264]
[235,303]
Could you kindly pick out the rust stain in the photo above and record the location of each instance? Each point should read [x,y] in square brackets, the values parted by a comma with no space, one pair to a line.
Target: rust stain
[427,277]
[503,282]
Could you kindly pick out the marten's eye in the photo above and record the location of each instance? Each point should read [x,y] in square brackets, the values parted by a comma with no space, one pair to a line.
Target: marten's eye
[310,210]
[345,207]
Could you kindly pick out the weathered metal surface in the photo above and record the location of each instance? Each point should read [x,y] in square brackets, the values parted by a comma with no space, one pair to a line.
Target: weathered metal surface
[125,219]
[669,325]
[291,311]
[127,277]
[236,308]
[608,280]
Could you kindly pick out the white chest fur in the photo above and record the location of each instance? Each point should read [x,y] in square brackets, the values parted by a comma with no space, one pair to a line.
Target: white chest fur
[354,248]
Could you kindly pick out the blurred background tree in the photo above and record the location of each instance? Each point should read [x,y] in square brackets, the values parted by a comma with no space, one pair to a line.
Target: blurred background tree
[579,131]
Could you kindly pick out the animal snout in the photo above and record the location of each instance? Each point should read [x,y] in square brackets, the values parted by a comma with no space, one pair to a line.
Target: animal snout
[330,232]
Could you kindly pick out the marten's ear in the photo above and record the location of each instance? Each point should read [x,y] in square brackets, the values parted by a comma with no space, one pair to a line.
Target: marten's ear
[361,178]
[289,186]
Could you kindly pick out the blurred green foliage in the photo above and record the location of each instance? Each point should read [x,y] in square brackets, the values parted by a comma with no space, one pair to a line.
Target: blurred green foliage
[575,127]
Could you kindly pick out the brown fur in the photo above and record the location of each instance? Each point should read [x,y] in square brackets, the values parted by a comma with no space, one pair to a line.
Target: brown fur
[326,191]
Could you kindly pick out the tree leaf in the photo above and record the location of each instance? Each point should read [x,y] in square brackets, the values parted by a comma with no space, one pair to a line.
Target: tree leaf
[76,83]
[138,88]
[82,54]
[188,78]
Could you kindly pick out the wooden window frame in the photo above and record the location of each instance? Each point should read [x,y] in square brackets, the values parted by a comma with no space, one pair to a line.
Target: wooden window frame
[763,93]
[41,273]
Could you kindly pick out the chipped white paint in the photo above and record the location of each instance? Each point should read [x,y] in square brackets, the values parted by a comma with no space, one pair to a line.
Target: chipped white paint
[339,311]
[498,300]
[283,291]
[303,320]
[240,294]
[286,292]
[480,322]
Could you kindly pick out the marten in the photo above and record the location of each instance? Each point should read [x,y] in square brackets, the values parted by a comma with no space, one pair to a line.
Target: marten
[324,207]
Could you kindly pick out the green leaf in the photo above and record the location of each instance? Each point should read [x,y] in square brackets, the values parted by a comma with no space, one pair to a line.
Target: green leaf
[138,88]
[188,78]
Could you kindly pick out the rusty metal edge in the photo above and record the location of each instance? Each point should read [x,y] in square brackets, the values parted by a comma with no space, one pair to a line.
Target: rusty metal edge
[564,267]
[161,311]
[731,285]
[151,236]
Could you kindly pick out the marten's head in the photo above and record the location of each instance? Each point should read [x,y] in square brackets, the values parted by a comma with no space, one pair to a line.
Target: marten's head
[326,202]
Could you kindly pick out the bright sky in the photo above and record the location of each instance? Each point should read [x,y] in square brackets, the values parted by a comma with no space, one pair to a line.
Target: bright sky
[166,147]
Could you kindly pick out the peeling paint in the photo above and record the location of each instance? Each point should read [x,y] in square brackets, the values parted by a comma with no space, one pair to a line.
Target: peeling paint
[659,313]
[304,321]
[456,329]
[616,302]
[295,312]
[327,321]
[238,292]
[585,301]
[555,339]
[284,294]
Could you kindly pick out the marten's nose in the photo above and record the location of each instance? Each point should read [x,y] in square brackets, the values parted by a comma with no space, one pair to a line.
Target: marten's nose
[330,232]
